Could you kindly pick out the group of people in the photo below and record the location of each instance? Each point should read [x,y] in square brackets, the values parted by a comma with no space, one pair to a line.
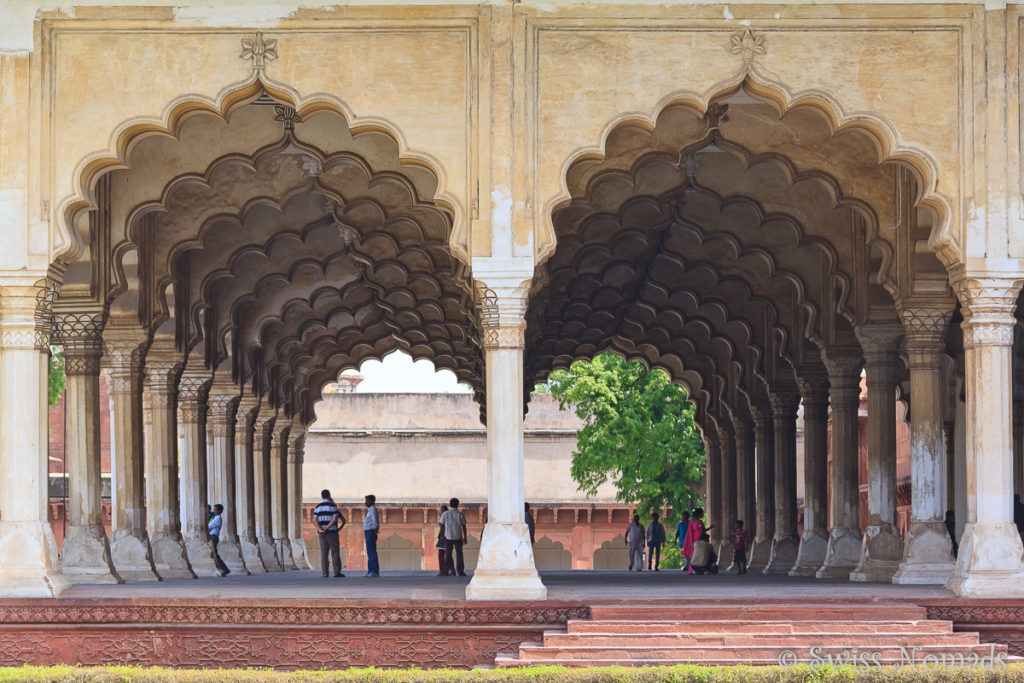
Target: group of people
[329,522]
[699,556]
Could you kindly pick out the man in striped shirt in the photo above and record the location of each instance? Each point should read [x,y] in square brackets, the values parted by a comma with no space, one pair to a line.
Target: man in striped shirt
[329,522]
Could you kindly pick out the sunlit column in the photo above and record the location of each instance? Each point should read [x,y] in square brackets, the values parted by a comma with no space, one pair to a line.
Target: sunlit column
[192,392]
[786,542]
[882,548]
[29,565]
[261,488]
[245,508]
[764,459]
[296,446]
[223,402]
[279,492]
[124,347]
[814,539]
[989,562]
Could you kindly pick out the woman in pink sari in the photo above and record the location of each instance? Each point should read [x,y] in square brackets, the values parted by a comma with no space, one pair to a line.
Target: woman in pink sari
[693,534]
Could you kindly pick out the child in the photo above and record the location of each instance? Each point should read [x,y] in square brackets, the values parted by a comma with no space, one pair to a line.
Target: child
[739,548]
[681,529]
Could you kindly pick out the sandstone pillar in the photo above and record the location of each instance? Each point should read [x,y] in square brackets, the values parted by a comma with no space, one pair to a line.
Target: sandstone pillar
[296,444]
[814,540]
[505,569]
[244,484]
[192,393]
[746,502]
[989,562]
[223,402]
[928,552]
[713,483]
[29,565]
[163,368]
[85,553]
[882,548]
[129,541]
[279,493]
[262,503]
[844,537]
[764,461]
[786,541]
[727,503]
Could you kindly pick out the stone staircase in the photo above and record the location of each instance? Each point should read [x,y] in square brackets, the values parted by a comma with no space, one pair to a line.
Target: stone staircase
[720,633]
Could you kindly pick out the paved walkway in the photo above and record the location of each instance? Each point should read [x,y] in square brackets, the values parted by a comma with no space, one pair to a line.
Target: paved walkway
[593,586]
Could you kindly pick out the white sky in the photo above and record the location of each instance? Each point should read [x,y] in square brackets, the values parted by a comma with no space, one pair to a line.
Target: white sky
[399,374]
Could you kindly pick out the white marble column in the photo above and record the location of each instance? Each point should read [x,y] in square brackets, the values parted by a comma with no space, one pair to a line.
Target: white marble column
[786,542]
[159,430]
[279,493]
[85,553]
[844,536]
[192,393]
[928,552]
[727,500]
[296,446]
[261,488]
[814,539]
[989,563]
[882,548]
[505,569]
[223,402]
[29,565]
[124,347]
[764,462]
[245,507]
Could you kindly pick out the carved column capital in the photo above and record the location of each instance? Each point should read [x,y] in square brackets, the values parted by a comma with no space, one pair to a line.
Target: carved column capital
[784,404]
[192,393]
[245,418]
[813,385]
[161,380]
[988,305]
[926,336]
[221,413]
[80,335]
[123,356]
[502,288]
[26,314]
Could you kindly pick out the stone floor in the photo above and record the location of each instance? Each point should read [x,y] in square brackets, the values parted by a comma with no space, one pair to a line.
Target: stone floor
[590,586]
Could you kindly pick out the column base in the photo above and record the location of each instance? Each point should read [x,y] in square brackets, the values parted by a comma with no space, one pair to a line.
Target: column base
[760,553]
[284,553]
[811,554]
[268,553]
[200,556]
[506,569]
[231,552]
[131,555]
[881,553]
[299,554]
[725,555]
[169,557]
[28,561]
[85,555]
[842,554]
[251,555]
[989,564]
[784,551]
[927,555]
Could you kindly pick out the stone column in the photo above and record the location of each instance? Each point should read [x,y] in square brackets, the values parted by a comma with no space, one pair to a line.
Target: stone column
[712,481]
[989,562]
[764,460]
[727,502]
[928,552]
[261,489]
[29,565]
[505,569]
[192,393]
[844,537]
[223,402]
[746,503]
[279,493]
[244,484]
[85,553]
[786,542]
[129,542]
[814,540]
[882,548]
[159,425]
[296,445]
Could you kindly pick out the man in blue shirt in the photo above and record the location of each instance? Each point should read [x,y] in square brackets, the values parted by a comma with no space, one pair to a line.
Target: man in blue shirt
[214,526]
[329,523]
[371,527]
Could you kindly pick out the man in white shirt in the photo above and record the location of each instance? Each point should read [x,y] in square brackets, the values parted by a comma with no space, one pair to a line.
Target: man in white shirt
[371,527]
[454,523]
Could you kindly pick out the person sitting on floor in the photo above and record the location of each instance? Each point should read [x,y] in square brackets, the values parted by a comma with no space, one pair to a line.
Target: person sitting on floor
[704,560]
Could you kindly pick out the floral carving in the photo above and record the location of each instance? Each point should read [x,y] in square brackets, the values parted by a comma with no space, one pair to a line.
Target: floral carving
[259,51]
[747,45]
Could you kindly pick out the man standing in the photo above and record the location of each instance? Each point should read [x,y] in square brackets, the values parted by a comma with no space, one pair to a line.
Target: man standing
[454,523]
[530,524]
[214,526]
[329,522]
[655,539]
[371,527]
[635,540]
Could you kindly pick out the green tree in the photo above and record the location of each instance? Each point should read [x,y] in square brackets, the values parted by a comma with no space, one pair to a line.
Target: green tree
[56,378]
[638,432]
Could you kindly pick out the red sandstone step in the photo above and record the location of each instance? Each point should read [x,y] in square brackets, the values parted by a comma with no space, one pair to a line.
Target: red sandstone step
[744,626]
[698,654]
[781,612]
[553,639]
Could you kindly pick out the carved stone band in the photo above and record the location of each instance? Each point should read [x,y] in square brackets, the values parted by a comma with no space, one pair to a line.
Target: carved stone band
[504,337]
[978,334]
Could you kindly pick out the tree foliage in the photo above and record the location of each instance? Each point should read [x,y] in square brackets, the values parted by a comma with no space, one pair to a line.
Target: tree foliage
[56,378]
[638,432]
